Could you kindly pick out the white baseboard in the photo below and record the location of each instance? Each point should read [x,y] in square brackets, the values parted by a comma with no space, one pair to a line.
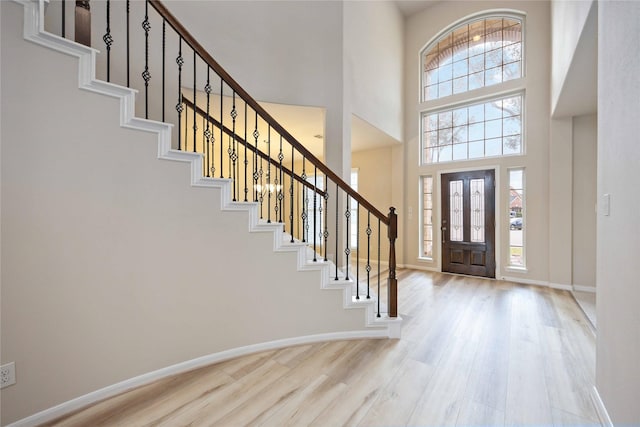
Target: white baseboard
[189,365]
[561,286]
[600,408]
[525,281]
[582,288]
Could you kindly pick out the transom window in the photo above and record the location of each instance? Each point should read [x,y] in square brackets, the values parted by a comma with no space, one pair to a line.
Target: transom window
[478,53]
[486,129]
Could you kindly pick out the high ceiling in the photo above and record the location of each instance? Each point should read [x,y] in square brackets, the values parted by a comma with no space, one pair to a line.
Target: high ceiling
[409,7]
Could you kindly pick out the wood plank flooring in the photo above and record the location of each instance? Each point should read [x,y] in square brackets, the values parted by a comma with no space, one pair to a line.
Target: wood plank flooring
[474,352]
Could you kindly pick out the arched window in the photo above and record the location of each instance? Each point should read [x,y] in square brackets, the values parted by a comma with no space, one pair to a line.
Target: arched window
[479,53]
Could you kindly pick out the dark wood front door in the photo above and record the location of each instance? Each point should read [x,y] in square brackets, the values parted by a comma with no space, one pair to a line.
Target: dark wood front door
[468,223]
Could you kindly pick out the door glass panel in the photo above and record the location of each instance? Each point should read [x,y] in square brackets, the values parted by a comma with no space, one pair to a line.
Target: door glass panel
[456,210]
[477,210]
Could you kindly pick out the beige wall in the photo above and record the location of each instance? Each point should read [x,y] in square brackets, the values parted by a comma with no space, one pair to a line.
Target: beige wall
[420,29]
[375,183]
[112,264]
[618,345]
[584,200]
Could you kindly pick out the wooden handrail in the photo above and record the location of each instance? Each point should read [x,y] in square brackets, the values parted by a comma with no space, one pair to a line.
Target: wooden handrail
[241,140]
[206,57]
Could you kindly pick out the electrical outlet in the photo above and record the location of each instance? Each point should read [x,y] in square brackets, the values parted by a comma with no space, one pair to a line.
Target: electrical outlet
[7,375]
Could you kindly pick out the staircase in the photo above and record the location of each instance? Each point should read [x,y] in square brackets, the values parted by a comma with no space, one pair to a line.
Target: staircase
[96,189]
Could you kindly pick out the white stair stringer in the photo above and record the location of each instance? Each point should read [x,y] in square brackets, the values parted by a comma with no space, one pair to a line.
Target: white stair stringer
[34,32]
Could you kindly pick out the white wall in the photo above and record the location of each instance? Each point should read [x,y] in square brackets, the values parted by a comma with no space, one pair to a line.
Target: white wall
[560,201]
[374,60]
[584,200]
[420,29]
[568,20]
[112,264]
[618,344]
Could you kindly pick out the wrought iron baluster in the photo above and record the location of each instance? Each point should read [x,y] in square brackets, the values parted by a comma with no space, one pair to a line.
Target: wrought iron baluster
[205,148]
[207,133]
[256,134]
[281,182]
[269,174]
[305,201]
[326,215]
[357,250]
[221,126]
[337,234]
[64,14]
[300,233]
[379,267]
[229,158]
[163,41]
[291,193]
[233,154]
[108,40]
[195,127]
[179,106]
[315,208]
[368,268]
[246,159]
[164,46]
[261,189]
[347,249]
[186,128]
[146,75]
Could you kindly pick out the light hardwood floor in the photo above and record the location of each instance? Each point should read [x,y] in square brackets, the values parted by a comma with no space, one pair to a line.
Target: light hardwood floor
[473,352]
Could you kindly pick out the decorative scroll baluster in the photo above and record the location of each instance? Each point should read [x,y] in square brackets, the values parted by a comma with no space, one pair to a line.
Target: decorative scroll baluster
[108,40]
[368,268]
[300,233]
[291,193]
[146,75]
[128,6]
[315,208]
[256,134]
[246,159]
[207,132]
[326,215]
[337,234]
[179,107]
[233,154]
[357,250]
[305,201]
[281,182]
[195,127]
[347,249]
[319,232]
[379,267]
[269,175]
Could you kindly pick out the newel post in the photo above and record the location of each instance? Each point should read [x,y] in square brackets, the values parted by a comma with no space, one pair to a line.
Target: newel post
[83,22]
[392,285]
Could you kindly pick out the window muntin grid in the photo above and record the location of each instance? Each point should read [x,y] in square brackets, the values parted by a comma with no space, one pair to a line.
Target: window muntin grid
[488,129]
[473,55]
[427,217]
